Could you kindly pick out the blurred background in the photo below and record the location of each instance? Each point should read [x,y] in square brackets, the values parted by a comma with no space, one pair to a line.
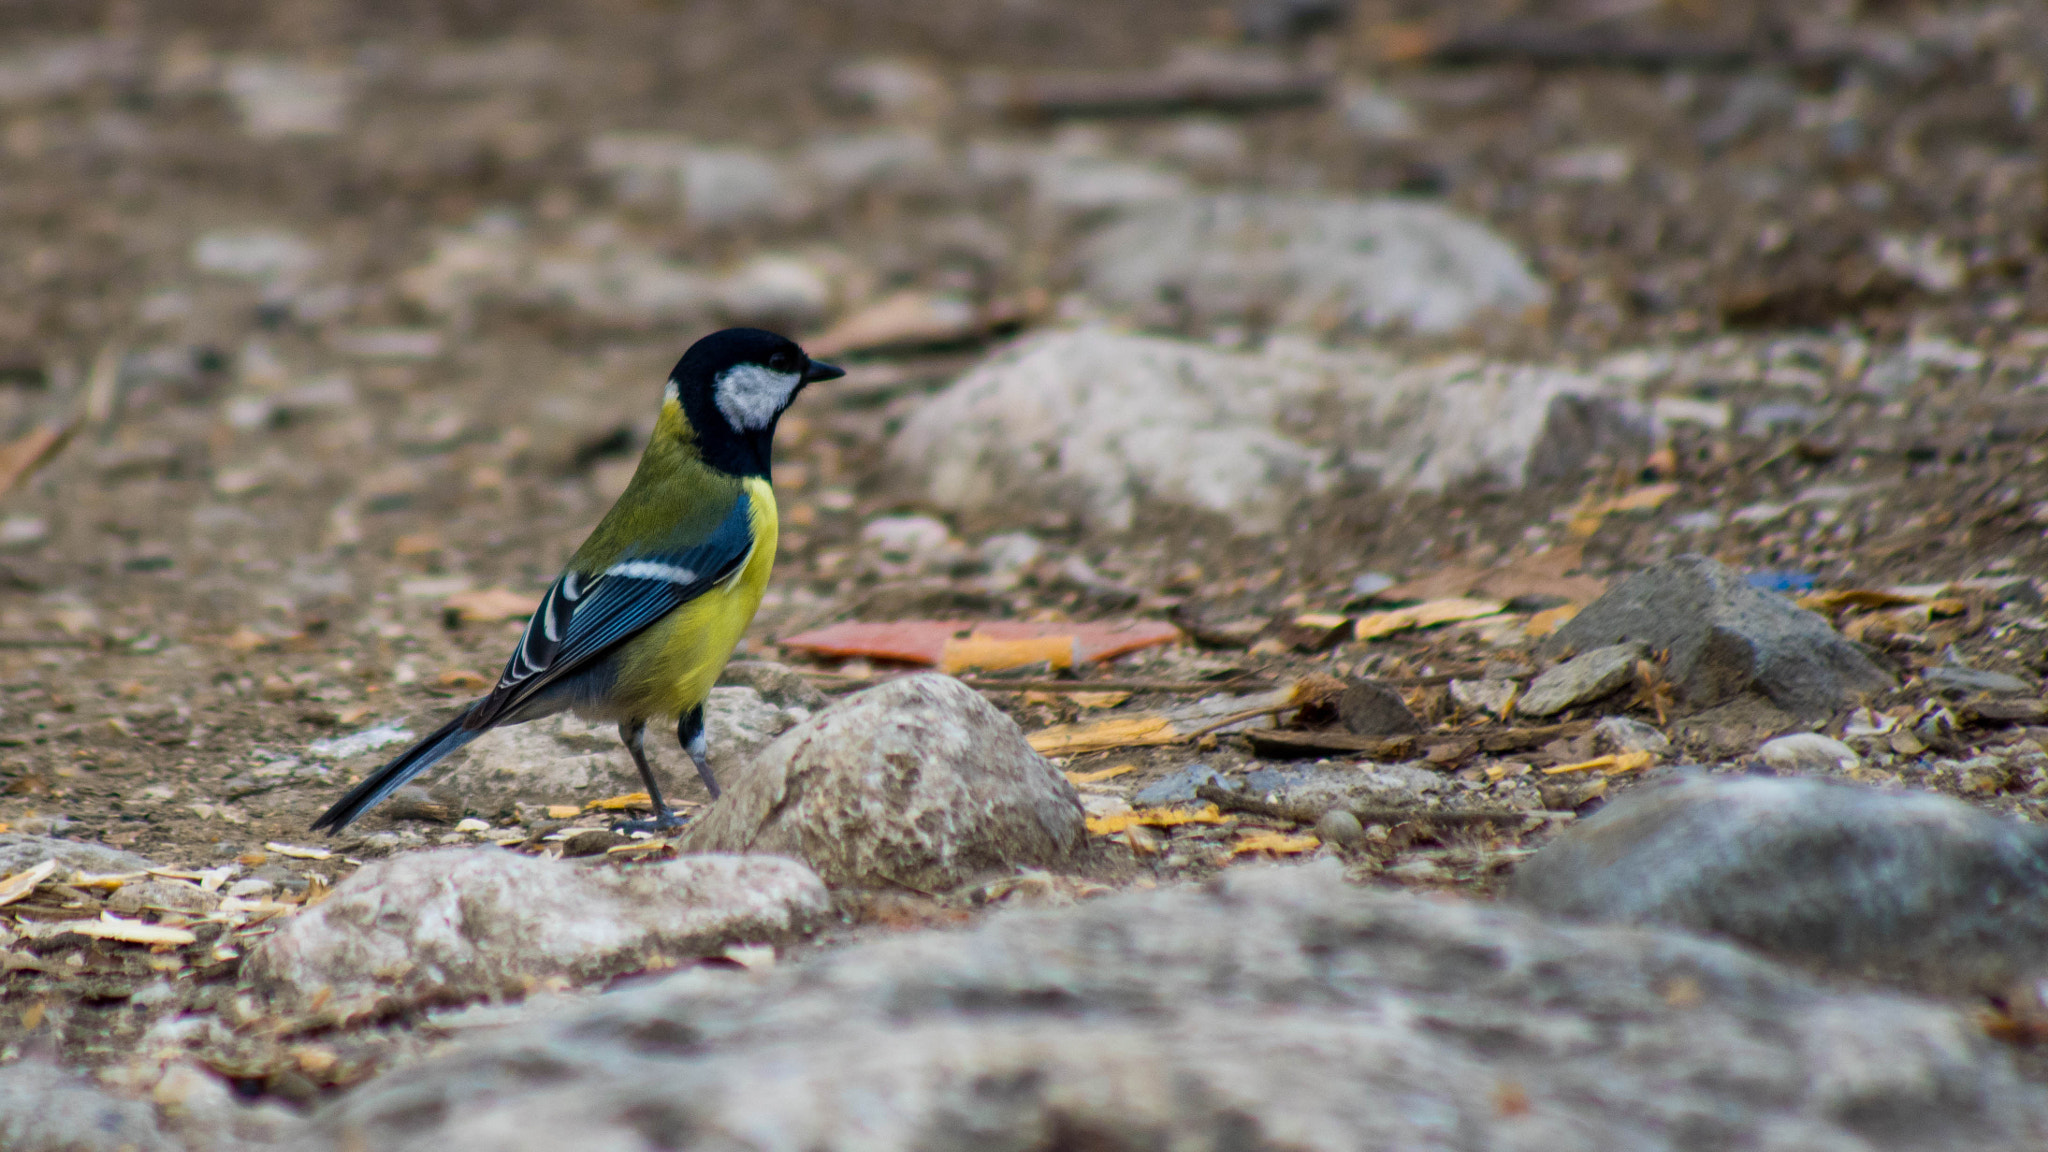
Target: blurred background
[321,320]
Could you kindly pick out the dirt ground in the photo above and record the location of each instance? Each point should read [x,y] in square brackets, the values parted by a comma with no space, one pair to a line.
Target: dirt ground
[190,596]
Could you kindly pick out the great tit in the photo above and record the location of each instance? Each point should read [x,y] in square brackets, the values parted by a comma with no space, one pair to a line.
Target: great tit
[645,616]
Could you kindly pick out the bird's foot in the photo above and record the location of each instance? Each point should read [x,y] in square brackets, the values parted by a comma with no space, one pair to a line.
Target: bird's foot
[664,820]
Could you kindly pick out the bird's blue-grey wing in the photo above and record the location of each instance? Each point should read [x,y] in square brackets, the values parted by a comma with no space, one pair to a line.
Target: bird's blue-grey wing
[585,615]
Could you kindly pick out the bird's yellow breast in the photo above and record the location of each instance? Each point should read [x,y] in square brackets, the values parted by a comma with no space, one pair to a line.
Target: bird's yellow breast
[670,668]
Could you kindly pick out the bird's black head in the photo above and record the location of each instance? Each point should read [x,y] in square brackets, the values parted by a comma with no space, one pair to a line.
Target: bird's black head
[732,386]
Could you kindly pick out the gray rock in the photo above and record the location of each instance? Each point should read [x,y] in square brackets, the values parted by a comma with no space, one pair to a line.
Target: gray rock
[565,760]
[46,1109]
[1808,752]
[1725,638]
[1907,886]
[1272,1008]
[1338,826]
[1370,708]
[918,782]
[1625,734]
[1093,422]
[431,928]
[1582,679]
[1380,785]
[1956,680]
[168,895]
[19,850]
[1179,787]
[1489,696]
[1308,262]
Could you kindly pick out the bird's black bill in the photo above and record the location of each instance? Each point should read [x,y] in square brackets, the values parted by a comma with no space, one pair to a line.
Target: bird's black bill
[819,370]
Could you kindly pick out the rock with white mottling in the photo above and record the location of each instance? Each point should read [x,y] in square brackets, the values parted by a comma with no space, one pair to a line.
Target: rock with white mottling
[1315,263]
[1808,752]
[1272,1008]
[1095,423]
[1907,886]
[431,928]
[918,783]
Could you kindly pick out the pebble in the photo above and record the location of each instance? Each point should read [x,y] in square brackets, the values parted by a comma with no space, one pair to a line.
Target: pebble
[1179,787]
[1808,752]
[1582,679]
[1956,680]
[1339,826]
[1627,734]
[1370,708]
[1489,696]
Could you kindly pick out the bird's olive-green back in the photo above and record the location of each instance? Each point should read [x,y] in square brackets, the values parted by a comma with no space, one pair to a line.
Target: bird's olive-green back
[674,501]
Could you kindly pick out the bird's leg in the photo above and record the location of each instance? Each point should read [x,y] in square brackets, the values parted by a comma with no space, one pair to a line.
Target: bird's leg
[690,734]
[634,733]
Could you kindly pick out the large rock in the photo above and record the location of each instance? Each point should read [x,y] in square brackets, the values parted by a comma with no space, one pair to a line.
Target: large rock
[1276,1008]
[918,783]
[1093,422]
[564,760]
[1725,638]
[46,1109]
[1905,886]
[1316,263]
[431,928]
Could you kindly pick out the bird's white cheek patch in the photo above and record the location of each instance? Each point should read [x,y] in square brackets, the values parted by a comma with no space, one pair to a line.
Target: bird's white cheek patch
[751,396]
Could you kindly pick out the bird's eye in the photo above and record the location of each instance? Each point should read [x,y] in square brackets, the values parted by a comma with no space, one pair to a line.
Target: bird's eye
[783,361]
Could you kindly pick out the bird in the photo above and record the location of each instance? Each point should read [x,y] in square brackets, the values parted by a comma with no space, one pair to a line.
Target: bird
[644,616]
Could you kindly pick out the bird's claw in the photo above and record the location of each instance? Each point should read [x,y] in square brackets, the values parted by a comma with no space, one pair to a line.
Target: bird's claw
[665,820]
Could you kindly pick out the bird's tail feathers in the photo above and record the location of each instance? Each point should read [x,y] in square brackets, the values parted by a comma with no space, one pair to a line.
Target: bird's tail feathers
[388,779]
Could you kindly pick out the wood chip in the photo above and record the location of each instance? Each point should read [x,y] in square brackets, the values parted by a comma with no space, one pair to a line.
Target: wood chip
[1284,744]
[980,652]
[296,852]
[1145,730]
[112,927]
[22,883]
[627,802]
[490,605]
[21,459]
[1275,843]
[1100,775]
[1373,625]
[1155,818]
[1612,764]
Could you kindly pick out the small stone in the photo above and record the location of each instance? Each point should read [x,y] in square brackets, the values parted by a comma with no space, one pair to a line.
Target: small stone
[1627,734]
[1339,826]
[1955,680]
[1370,708]
[1726,638]
[917,782]
[1582,679]
[457,924]
[162,896]
[252,888]
[1178,788]
[1906,886]
[1489,696]
[591,842]
[1808,752]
